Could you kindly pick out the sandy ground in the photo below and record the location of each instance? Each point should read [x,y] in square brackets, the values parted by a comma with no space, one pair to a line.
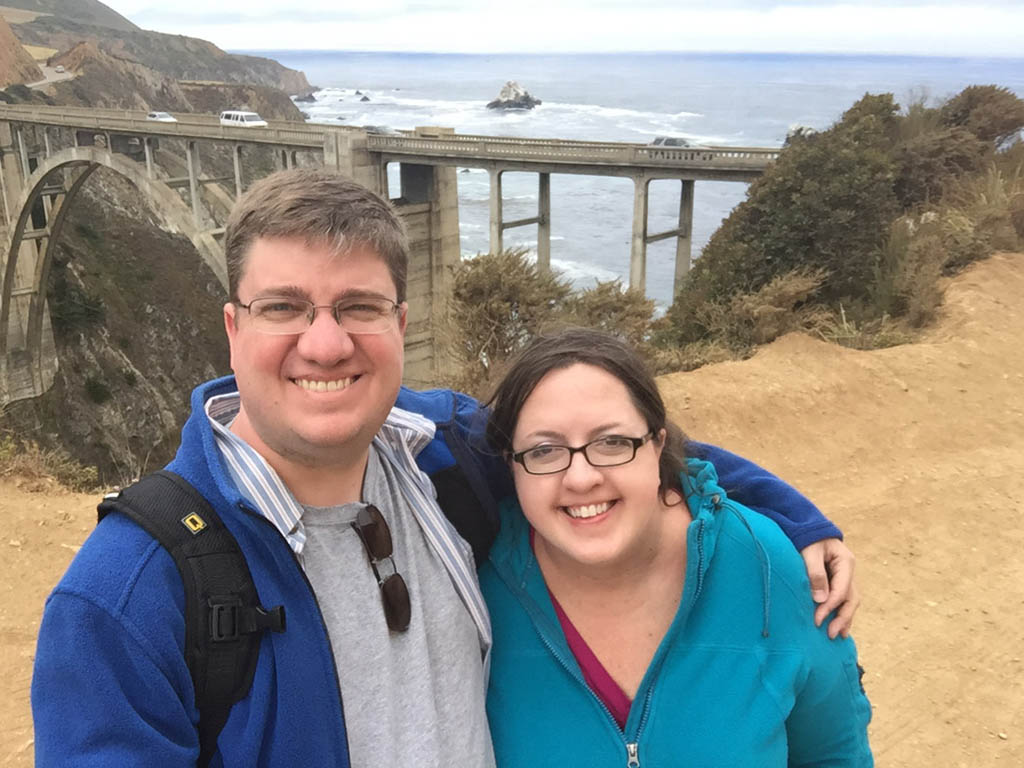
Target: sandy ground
[916,451]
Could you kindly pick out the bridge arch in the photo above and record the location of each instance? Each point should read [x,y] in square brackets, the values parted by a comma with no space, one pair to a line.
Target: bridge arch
[57,181]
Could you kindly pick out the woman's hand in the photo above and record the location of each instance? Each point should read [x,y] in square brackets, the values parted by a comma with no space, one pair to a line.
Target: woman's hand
[830,568]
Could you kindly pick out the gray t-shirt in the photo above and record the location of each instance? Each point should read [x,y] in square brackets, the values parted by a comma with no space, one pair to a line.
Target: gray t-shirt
[414,698]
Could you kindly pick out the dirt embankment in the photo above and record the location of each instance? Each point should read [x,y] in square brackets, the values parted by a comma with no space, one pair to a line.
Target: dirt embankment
[916,451]
[16,64]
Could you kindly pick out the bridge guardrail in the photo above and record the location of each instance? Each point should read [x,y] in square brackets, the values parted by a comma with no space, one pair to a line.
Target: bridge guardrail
[560,150]
[190,126]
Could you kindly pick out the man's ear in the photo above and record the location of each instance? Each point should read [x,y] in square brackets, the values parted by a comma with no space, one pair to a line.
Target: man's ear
[231,329]
[403,318]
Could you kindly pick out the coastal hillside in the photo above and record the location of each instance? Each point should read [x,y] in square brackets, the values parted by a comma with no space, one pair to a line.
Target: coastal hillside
[16,65]
[82,11]
[916,451]
[176,56]
[103,80]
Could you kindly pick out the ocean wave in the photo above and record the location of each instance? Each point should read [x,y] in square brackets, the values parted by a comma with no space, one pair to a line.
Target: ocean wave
[618,112]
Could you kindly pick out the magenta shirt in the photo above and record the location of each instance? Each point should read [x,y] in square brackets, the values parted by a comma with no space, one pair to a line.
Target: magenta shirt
[594,673]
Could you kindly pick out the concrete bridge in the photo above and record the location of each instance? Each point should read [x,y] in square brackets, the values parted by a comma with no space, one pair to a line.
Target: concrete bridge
[48,153]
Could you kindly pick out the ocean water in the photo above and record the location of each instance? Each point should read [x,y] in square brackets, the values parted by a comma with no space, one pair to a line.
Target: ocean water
[719,99]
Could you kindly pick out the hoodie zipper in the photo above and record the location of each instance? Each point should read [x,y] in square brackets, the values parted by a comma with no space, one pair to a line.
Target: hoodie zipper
[632,747]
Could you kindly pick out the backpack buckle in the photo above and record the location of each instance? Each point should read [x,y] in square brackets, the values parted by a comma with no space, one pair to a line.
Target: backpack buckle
[224,618]
[229,619]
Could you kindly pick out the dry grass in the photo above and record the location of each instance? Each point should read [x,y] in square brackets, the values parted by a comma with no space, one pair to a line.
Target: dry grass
[39,468]
[39,53]
[19,16]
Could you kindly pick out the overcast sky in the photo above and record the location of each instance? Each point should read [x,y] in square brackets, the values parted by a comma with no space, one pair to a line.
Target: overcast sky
[923,27]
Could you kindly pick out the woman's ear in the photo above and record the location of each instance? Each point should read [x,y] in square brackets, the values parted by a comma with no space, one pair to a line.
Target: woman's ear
[659,440]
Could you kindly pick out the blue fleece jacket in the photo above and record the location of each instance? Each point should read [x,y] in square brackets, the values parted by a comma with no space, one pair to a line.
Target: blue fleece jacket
[111,687]
[741,678]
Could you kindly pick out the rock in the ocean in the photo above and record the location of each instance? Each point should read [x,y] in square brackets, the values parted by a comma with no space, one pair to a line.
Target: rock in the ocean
[365,98]
[307,98]
[513,96]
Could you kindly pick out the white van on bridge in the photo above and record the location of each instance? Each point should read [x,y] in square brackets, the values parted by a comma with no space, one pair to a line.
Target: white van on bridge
[242,119]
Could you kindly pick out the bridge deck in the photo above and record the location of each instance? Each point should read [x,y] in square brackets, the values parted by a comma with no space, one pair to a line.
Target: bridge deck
[504,152]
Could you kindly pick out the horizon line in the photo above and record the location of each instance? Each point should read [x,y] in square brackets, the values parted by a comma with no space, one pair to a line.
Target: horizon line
[837,54]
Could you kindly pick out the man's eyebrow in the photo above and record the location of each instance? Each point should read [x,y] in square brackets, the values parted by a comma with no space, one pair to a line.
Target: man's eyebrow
[295,292]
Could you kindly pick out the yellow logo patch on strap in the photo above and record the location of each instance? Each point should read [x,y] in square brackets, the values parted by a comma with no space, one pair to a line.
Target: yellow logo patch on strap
[194,523]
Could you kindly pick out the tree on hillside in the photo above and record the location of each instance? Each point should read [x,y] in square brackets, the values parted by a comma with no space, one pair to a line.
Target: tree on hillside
[991,113]
[822,206]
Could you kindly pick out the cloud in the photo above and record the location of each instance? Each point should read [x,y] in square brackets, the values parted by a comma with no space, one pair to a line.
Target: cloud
[921,27]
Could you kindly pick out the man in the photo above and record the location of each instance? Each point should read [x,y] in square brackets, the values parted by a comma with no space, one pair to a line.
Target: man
[307,462]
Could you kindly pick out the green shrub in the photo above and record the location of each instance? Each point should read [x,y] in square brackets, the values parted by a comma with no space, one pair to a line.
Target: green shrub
[928,163]
[499,302]
[742,321]
[823,205]
[610,306]
[72,308]
[991,113]
[97,390]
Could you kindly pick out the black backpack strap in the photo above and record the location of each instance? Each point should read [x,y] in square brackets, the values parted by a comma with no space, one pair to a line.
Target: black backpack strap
[224,621]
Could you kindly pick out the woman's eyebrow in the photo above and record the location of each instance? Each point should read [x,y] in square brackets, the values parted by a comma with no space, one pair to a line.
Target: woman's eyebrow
[545,434]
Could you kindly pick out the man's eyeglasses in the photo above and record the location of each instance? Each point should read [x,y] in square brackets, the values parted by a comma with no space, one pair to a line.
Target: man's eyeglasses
[280,316]
[607,451]
[376,537]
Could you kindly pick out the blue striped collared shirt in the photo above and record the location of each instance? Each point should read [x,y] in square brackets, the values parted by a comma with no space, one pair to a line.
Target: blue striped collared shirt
[400,439]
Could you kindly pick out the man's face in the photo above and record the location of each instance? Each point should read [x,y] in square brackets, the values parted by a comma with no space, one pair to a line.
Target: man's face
[316,398]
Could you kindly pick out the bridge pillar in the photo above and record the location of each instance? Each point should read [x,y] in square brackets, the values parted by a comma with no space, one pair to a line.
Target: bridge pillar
[497,244]
[192,160]
[9,183]
[685,240]
[638,243]
[26,170]
[46,142]
[147,146]
[236,159]
[544,222]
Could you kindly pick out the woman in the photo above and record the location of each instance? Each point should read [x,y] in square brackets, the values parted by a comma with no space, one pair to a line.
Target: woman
[641,618]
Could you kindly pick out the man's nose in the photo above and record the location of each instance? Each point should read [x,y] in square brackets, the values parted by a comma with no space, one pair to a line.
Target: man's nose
[325,341]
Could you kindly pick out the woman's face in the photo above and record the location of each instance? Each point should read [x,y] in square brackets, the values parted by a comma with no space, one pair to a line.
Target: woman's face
[586,515]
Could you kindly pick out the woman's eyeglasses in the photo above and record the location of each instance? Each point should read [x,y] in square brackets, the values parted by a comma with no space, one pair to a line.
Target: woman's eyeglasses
[376,537]
[607,451]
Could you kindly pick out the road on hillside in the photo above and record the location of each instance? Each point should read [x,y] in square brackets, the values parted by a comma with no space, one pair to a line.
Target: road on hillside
[51,76]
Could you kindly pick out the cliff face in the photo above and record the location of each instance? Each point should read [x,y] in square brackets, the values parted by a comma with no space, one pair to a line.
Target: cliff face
[104,81]
[109,82]
[176,56]
[271,103]
[137,321]
[16,66]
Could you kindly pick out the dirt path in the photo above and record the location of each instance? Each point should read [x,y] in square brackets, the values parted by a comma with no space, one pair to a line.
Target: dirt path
[916,451]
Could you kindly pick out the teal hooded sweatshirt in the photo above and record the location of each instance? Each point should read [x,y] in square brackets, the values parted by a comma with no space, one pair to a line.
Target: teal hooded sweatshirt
[741,678]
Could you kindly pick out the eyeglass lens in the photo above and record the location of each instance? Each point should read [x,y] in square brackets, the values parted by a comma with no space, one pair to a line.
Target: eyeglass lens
[376,537]
[287,315]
